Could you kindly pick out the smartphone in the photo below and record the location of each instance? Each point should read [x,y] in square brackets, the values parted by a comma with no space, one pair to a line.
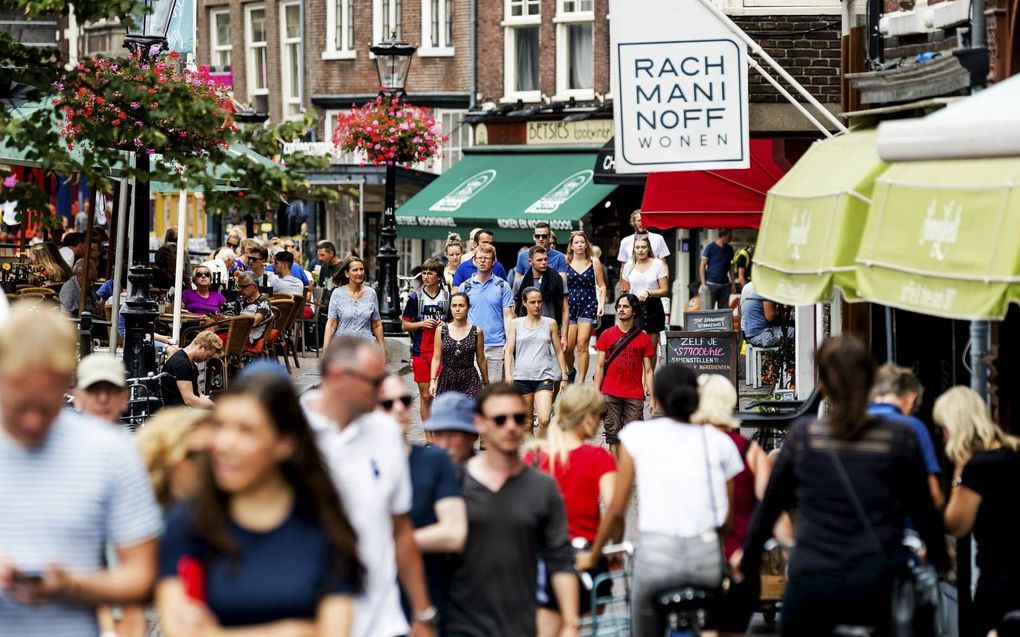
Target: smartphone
[27,577]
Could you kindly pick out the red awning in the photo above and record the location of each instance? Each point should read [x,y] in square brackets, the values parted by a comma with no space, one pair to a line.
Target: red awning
[712,198]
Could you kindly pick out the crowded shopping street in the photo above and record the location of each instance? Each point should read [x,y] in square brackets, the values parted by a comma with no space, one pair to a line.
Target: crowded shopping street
[530,318]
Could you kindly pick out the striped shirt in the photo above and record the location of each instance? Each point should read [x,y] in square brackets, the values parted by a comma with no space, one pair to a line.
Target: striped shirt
[61,503]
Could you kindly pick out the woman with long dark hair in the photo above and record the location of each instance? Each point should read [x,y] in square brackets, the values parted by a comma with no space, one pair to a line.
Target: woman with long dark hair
[264,543]
[983,500]
[854,479]
[353,306]
[684,474]
[460,354]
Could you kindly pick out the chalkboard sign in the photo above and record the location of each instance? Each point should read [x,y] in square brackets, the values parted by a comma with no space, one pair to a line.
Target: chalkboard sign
[709,321]
[705,352]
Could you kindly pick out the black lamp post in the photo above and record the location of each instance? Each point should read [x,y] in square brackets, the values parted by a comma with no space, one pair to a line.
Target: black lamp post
[392,59]
[147,38]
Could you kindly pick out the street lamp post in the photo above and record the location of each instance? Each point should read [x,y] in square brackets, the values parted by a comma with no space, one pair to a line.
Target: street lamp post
[148,40]
[392,59]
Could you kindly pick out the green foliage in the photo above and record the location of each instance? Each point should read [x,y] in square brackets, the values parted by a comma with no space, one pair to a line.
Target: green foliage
[256,188]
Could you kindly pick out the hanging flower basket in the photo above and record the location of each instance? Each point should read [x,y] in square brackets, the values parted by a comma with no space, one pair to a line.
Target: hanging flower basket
[387,131]
[143,104]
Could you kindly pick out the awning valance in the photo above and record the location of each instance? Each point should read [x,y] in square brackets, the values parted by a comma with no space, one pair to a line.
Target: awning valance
[813,221]
[505,190]
[712,198]
[942,238]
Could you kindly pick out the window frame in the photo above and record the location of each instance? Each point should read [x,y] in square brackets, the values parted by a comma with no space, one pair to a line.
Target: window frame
[396,6]
[215,46]
[564,20]
[510,25]
[250,49]
[285,43]
[442,48]
[342,50]
[440,114]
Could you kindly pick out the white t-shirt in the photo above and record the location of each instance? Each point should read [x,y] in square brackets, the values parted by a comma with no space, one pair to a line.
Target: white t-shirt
[370,470]
[216,266]
[647,280]
[671,470]
[659,249]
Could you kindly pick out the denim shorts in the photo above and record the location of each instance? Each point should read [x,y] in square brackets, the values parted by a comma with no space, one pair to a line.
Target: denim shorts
[527,387]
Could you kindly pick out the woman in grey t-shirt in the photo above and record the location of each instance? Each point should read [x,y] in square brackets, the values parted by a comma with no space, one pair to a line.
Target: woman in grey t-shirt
[534,358]
[353,307]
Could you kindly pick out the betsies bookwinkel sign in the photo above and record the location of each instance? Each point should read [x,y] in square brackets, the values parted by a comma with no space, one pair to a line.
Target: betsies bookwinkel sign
[679,88]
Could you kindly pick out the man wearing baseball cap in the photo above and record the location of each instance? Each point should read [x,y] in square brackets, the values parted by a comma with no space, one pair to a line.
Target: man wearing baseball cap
[101,389]
[452,425]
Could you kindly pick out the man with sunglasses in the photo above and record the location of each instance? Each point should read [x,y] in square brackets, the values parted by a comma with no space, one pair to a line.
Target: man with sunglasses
[437,506]
[515,517]
[543,239]
[250,301]
[365,452]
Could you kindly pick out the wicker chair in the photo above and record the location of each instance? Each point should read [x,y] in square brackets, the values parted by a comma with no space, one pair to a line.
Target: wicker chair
[283,314]
[37,291]
[260,348]
[286,343]
[237,329]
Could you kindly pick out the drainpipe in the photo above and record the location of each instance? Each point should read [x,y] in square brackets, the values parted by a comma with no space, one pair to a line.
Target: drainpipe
[978,351]
[474,54]
[304,62]
[978,27]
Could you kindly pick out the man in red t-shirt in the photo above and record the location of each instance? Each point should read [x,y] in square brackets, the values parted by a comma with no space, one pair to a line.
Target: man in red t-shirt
[630,355]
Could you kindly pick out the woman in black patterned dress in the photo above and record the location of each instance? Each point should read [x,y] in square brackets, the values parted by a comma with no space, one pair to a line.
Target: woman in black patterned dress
[462,347]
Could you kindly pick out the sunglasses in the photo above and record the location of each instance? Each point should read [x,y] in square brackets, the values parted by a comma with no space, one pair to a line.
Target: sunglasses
[389,403]
[541,236]
[518,418]
[202,274]
[233,245]
[375,382]
[254,258]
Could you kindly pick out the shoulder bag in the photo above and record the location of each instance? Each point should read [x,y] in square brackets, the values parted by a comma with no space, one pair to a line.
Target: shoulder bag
[617,348]
[916,599]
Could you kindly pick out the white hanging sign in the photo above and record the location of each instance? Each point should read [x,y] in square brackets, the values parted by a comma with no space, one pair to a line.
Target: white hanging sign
[679,88]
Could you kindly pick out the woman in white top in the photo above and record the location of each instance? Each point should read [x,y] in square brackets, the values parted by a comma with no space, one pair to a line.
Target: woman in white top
[647,278]
[534,358]
[684,476]
[453,252]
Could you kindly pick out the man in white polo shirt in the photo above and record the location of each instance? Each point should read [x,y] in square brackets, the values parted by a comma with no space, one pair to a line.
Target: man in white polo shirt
[365,451]
[69,484]
[659,248]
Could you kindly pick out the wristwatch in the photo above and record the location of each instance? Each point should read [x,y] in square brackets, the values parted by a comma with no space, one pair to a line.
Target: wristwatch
[428,616]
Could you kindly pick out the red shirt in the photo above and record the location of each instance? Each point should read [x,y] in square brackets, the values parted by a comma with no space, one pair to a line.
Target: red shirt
[623,378]
[578,480]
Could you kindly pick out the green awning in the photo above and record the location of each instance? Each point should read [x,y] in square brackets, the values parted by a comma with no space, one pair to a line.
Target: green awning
[506,190]
[813,221]
[941,238]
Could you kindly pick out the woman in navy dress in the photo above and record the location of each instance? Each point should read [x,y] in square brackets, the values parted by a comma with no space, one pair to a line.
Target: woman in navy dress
[264,544]
[586,295]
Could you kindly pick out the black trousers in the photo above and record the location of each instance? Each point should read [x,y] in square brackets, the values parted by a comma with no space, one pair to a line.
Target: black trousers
[816,602]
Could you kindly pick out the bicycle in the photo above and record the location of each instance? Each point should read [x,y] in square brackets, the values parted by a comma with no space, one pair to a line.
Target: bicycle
[406,285]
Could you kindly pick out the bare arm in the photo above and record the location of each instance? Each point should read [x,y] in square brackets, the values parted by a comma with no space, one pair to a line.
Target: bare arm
[508,351]
[190,399]
[600,285]
[761,468]
[183,617]
[663,289]
[600,365]
[558,347]
[328,336]
[437,360]
[701,270]
[483,363]
[508,320]
[648,371]
[771,311]
[607,484]
[409,564]
[377,331]
[449,533]
[962,510]
[128,582]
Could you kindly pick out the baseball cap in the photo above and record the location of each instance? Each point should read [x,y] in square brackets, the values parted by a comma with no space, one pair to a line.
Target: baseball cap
[101,367]
[452,411]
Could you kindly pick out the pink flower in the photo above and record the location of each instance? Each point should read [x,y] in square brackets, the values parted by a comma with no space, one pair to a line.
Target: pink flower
[11,181]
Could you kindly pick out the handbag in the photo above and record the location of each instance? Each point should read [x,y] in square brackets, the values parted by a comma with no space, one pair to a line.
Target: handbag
[916,598]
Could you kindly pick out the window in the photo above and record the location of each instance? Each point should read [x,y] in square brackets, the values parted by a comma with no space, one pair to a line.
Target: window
[258,78]
[290,51]
[521,50]
[219,39]
[458,135]
[339,30]
[385,19]
[575,49]
[436,27]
